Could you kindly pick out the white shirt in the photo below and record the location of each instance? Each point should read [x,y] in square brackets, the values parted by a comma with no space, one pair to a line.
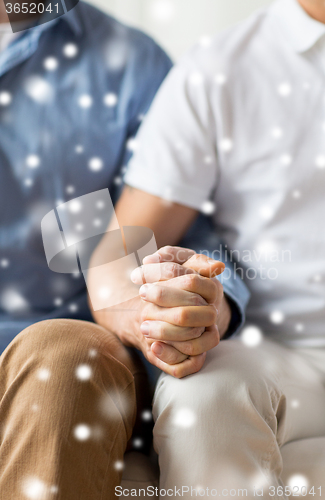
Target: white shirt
[6,36]
[241,122]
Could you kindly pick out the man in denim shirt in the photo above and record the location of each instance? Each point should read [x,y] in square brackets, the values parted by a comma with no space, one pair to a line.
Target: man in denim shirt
[73,92]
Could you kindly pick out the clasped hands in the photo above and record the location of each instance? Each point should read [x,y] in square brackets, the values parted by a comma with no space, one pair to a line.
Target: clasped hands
[183,310]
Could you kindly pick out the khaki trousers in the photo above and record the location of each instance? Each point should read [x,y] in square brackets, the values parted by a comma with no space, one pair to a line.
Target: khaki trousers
[67,409]
[228,427]
[68,406]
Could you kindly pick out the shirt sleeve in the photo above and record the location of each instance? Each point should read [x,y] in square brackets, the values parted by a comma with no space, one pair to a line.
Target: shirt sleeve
[175,155]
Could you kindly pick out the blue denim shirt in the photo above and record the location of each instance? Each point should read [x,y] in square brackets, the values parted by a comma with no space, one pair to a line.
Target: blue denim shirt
[72,93]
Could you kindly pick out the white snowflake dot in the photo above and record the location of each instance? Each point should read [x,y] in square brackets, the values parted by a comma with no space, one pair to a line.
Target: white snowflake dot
[132,144]
[286,160]
[82,432]
[220,79]
[266,212]
[297,481]
[251,336]
[208,207]
[33,161]
[4,263]
[118,181]
[28,182]
[320,161]
[58,302]
[208,159]
[277,132]
[119,465]
[295,403]
[92,353]
[5,98]
[205,41]
[110,99]
[95,164]
[38,89]
[277,317]
[75,206]
[300,327]
[73,308]
[97,222]
[146,415]
[137,442]
[184,418]
[70,50]
[43,374]
[162,10]
[100,204]
[85,101]
[79,149]
[34,489]
[196,79]
[51,63]
[83,372]
[70,189]
[296,194]
[104,293]
[284,89]
[226,144]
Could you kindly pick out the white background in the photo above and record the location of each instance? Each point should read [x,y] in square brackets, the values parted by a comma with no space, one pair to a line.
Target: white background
[178,24]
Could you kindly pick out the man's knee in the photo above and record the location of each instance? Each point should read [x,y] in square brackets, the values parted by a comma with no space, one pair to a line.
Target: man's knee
[68,341]
[231,383]
[71,368]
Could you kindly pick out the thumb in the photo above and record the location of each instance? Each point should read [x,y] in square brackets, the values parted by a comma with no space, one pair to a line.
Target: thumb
[205,266]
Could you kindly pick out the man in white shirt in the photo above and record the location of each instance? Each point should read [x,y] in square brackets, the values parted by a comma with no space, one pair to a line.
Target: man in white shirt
[239,125]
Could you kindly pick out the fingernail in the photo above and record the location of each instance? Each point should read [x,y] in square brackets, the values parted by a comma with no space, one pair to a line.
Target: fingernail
[157,349]
[143,291]
[152,259]
[145,328]
[135,275]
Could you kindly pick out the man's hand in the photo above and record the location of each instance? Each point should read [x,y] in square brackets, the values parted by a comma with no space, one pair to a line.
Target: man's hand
[183,311]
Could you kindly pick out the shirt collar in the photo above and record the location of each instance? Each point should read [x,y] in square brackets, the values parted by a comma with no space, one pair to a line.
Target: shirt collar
[27,41]
[301,30]
[73,20]
[70,17]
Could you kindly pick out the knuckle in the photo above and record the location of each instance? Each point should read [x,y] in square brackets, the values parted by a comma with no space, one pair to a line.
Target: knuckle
[198,331]
[197,300]
[170,269]
[145,313]
[190,348]
[212,315]
[160,330]
[195,280]
[187,281]
[159,294]
[197,364]
[181,316]
[176,372]
[167,251]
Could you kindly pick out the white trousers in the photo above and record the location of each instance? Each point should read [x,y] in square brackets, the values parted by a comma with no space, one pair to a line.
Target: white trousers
[231,426]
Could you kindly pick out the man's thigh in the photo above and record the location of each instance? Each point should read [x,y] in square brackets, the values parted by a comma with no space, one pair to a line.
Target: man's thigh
[285,375]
